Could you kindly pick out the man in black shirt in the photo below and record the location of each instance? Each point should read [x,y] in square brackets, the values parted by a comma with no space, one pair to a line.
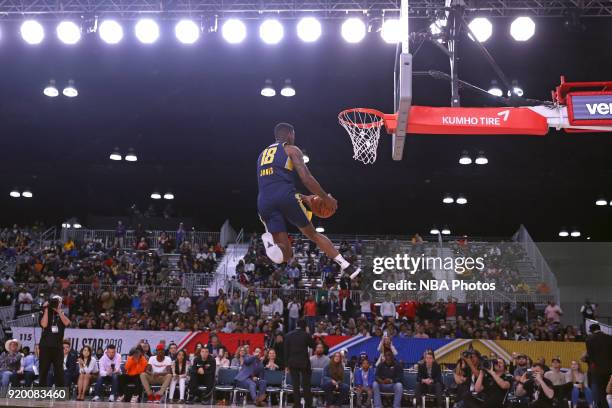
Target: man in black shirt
[53,323]
[389,375]
[491,386]
[296,346]
[538,389]
[202,373]
[429,379]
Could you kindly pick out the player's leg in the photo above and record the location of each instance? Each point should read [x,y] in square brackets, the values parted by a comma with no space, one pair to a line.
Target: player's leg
[296,213]
[275,239]
[327,246]
[281,239]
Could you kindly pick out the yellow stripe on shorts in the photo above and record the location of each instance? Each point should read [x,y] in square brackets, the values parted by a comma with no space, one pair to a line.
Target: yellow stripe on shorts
[307,212]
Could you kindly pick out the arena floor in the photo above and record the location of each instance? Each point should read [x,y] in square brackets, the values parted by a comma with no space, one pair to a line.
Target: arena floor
[4,402]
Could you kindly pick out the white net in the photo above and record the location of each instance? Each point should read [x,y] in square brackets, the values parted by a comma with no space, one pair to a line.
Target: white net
[363,126]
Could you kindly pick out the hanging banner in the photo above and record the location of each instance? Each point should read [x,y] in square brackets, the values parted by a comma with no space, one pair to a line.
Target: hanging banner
[124,340]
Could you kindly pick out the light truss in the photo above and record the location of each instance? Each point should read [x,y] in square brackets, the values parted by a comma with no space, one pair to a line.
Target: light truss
[17,9]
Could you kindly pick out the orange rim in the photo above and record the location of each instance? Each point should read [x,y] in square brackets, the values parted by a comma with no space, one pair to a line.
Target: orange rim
[344,118]
[387,119]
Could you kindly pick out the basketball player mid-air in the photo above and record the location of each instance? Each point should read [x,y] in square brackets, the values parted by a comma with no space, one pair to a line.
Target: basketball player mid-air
[278,200]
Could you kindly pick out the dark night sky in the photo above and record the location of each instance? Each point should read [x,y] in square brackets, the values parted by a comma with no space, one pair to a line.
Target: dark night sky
[197,122]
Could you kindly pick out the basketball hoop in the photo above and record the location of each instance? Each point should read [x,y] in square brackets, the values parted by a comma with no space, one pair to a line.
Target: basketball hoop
[363,126]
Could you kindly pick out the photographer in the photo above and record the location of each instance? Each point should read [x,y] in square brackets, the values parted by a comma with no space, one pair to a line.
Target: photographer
[491,386]
[53,323]
[466,373]
[538,389]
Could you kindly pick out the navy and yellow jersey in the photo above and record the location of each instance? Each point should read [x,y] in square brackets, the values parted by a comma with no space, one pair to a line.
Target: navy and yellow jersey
[278,201]
[275,171]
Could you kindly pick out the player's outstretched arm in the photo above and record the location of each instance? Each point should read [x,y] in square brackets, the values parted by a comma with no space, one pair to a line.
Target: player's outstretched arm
[307,178]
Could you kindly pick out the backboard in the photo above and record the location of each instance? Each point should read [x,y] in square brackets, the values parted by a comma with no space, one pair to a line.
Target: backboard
[403,85]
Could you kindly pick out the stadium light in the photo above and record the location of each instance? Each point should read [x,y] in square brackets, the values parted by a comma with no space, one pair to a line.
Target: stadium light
[110,31]
[15,193]
[68,32]
[288,90]
[234,31]
[309,29]
[434,231]
[156,196]
[495,89]
[268,91]
[482,29]
[32,32]
[66,225]
[481,159]
[522,28]
[437,26]
[51,90]
[271,31]
[601,201]
[516,89]
[353,30]
[563,233]
[465,158]
[77,225]
[448,199]
[146,30]
[131,156]
[187,31]
[27,193]
[445,231]
[390,31]
[461,200]
[575,233]
[115,155]
[70,91]
[320,229]
[168,196]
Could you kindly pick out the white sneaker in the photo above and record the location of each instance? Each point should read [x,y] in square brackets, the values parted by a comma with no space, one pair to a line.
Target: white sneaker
[96,399]
[134,398]
[272,250]
[111,398]
[267,239]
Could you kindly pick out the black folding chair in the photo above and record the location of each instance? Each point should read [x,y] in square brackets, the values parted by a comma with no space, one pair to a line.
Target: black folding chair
[225,381]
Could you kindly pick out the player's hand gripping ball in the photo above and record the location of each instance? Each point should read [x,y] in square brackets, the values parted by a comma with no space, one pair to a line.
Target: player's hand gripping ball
[320,207]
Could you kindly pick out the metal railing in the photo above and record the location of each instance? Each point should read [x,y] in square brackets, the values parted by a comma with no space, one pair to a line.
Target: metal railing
[28,320]
[108,237]
[539,263]
[190,280]
[6,313]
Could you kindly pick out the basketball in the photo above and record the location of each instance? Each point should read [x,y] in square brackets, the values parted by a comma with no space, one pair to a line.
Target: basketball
[318,206]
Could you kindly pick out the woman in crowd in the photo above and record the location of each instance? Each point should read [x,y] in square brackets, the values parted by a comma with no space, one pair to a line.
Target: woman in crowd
[270,360]
[336,391]
[238,359]
[180,368]
[146,349]
[221,359]
[384,346]
[577,377]
[88,365]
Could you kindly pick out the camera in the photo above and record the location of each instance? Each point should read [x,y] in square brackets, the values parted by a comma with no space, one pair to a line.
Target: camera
[488,364]
[54,302]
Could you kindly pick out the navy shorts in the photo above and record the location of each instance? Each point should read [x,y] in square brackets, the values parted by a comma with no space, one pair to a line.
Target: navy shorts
[275,211]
